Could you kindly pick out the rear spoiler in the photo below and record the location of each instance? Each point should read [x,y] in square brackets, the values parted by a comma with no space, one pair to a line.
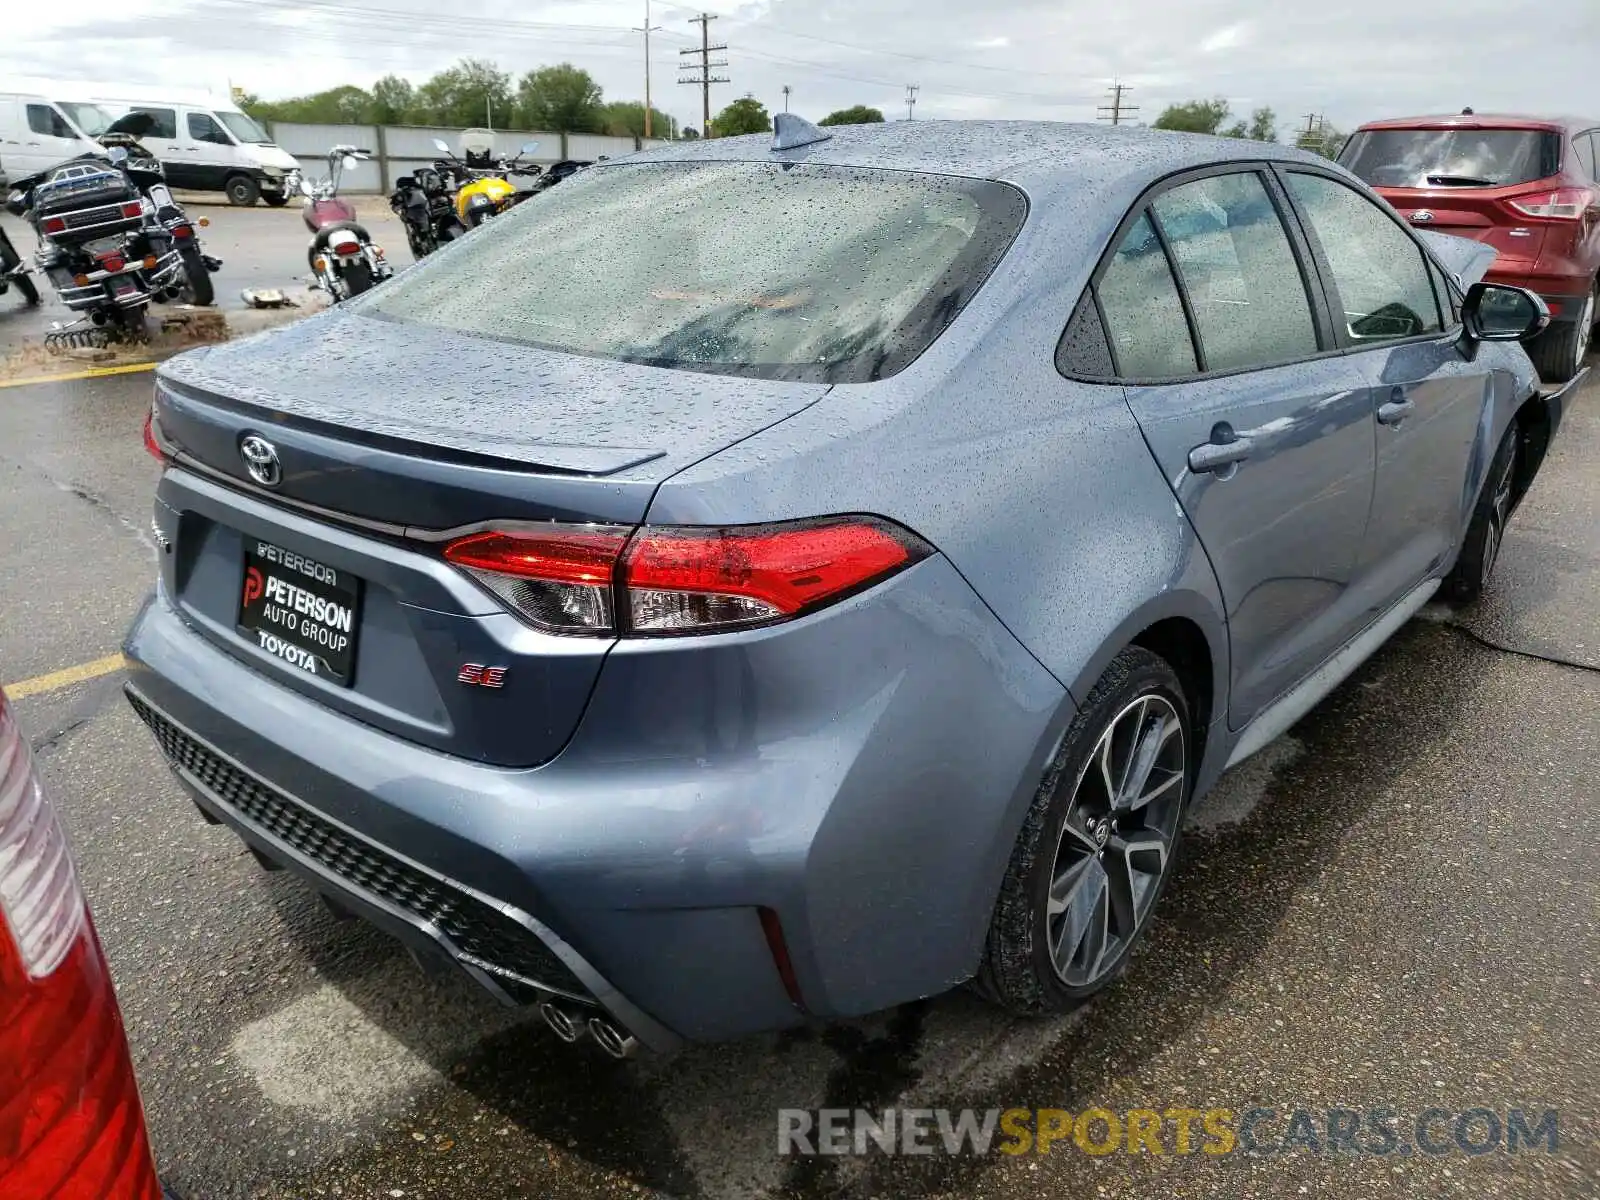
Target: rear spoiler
[1464,258]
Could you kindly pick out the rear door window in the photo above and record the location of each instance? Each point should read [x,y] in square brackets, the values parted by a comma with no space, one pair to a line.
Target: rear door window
[45,120]
[1379,273]
[1585,145]
[1243,281]
[1143,310]
[1425,158]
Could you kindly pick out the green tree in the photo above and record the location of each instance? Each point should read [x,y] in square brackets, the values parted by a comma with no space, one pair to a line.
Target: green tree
[1323,139]
[688,134]
[625,118]
[473,92]
[393,100]
[1194,116]
[858,114]
[1263,127]
[746,115]
[345,105]
[562,99]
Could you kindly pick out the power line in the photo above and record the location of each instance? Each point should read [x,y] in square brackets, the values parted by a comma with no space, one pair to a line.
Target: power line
[705,78]
[1116,110]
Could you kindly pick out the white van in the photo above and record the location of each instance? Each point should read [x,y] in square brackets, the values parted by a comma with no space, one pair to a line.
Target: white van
[37,132]
[208,145]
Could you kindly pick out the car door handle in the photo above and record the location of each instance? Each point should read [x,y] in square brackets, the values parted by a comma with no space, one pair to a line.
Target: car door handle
[1224,450]
[1400,407]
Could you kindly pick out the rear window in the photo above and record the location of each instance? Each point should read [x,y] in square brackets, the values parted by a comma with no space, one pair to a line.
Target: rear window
[1421,158]
[772,270]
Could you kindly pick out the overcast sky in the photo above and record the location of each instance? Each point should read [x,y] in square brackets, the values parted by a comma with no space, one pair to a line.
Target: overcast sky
[992,58]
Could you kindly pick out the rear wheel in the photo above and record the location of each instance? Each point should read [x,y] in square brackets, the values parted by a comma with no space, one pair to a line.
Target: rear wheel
[242,190]
[1486,532]
[1097,846]
[197,287]
[10,261]
[357,278]
[1559,351]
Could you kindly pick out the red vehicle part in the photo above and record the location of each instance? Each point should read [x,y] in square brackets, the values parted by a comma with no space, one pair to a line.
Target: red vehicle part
[71,1123]
[1528,186]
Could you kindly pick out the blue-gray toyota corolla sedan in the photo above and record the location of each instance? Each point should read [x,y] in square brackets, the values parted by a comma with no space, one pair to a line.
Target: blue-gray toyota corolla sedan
[772,579]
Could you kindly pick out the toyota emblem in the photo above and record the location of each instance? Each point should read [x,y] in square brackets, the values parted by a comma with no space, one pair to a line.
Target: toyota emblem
[261,460]
[1422,216]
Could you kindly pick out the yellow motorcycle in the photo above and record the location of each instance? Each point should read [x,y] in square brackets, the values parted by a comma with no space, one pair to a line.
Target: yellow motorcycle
[488,190]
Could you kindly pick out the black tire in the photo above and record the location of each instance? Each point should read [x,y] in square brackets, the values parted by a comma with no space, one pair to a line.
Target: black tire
[29,293]
[1018,971]
[197,287]
[357,278]
[1480,551]
[242,190]
[276,199]
[10,261]
[1559,351]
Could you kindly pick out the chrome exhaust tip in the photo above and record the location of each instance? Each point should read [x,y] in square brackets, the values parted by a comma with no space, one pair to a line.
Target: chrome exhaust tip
[560,1022]
[611,1039]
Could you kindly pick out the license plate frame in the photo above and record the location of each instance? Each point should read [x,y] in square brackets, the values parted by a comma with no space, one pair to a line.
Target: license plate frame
[299,611]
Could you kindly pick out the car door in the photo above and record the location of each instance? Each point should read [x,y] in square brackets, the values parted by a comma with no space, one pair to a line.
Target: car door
[164,143]
[1430,402]
[210,147]
[1260,425]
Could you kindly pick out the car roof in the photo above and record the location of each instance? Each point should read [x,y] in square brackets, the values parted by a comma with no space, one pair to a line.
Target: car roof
[1483,121]
[1040,156]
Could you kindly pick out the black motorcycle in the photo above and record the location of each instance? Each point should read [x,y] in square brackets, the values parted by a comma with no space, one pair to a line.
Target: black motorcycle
[425,203]
[14,272]
[112,239]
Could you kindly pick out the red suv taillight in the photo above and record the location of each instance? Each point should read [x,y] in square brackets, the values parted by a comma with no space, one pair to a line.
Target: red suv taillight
[71,1125]
[1564,204]
[663,580]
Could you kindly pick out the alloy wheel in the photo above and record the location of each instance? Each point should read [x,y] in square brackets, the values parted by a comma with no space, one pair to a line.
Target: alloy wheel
[1116,840]
[1499,514]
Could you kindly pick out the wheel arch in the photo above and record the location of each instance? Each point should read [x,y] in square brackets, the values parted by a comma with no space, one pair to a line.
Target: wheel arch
[1535,427]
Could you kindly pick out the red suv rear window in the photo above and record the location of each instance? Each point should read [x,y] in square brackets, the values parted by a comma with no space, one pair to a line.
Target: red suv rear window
[1423,158]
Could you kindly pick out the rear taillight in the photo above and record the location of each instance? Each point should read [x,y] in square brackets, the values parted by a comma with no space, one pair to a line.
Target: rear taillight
[1564,204]
[182,232]
[40,904]
[132,209]
[54,225]
[152,436]
[677,580]
[71,1124]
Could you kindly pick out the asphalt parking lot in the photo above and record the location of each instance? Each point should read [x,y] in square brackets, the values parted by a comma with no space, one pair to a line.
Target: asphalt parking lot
[1395,906]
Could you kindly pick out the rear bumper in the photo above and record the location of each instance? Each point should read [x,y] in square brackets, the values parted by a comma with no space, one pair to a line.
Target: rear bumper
[1563,294]
[861,772]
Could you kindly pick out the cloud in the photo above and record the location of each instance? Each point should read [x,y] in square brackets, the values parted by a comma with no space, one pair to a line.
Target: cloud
[1227,38]
[992,43]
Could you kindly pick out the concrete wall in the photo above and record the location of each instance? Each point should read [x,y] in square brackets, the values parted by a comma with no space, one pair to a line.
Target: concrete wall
[401,149]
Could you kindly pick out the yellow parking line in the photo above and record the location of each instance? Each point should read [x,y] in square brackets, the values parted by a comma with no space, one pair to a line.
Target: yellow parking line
[91,373]
[65,677]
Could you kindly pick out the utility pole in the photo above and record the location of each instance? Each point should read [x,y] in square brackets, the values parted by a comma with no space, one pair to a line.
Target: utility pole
[786,90]
[1117,110]
[911,100]
[705,79]
[647,31]
[1313,120]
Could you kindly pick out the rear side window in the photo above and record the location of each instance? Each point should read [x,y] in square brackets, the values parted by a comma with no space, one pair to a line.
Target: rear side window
[1244,286]
[1143,312]
[46,120]
[1422,158]
[774,270]
[1381,275]
[1587,145]
[166,121]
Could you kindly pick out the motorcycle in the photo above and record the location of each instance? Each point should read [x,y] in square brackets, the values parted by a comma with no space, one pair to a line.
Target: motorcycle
[425,203]
[14,272]
[344,260]
[441,203]
[112,240]
[486,189]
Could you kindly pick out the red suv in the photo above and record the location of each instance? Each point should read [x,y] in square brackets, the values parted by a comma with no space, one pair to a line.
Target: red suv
[71,1126]
[1525,185]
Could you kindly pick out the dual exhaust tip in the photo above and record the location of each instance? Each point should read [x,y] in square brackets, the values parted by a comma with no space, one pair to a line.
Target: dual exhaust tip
[570,1026]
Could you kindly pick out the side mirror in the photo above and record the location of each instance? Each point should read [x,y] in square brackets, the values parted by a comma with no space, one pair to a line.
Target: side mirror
[440,146]
[529,147]
[1498,312]
[349,161]
[307,188]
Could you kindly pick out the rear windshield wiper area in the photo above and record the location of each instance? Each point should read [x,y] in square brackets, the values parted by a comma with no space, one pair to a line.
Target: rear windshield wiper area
[1461,181]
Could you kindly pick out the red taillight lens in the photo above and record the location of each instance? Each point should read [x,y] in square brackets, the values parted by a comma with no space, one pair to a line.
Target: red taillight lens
[132,209]
[1564,204]
[71,1125]
[676,580]
[54,225]
[152,438]
[182,232]
[560,579]
[682,580]
[112,262]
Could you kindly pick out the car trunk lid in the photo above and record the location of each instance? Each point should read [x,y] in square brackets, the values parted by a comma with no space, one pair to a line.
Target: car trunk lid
[330,579]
